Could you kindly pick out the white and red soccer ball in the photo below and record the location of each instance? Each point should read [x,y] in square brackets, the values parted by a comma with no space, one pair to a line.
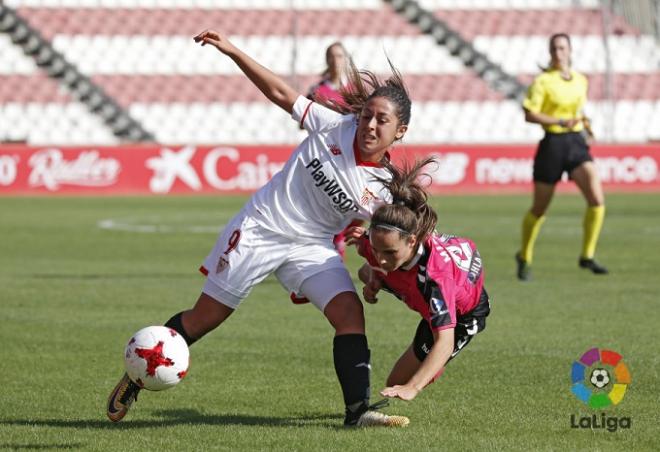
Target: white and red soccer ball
[156,358]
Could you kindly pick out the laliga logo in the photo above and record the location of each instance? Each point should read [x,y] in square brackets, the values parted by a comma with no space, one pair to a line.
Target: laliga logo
[599,380]
[450,169]
[599,361]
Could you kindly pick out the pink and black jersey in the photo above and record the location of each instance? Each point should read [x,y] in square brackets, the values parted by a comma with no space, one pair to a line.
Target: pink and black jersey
[324,90]
[443,282]
[324,185]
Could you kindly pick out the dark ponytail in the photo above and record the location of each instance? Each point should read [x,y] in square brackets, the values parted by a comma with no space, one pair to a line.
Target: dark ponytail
[409,212]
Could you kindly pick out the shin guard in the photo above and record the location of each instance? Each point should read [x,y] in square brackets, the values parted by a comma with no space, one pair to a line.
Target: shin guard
[351,357]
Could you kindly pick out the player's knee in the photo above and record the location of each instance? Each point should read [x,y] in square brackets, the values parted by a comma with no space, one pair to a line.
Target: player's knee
[537,212]
[345,313]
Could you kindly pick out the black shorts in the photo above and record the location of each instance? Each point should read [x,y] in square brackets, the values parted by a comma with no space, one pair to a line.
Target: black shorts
[559,152]
[467,326]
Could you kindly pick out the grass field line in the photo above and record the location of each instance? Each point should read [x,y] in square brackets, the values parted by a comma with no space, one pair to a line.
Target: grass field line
[557,225]
[126,225]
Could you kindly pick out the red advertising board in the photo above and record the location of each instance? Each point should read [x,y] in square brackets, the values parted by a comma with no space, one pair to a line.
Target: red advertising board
[157,169]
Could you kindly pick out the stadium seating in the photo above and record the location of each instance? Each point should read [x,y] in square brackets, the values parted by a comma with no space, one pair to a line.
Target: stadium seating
[141,54]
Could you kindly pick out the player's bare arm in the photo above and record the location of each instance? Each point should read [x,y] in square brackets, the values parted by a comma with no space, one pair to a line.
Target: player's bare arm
[434,362]
[372,283]
[269,83]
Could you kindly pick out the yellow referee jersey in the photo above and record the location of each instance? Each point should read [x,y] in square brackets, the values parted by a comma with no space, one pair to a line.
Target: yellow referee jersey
[554,96]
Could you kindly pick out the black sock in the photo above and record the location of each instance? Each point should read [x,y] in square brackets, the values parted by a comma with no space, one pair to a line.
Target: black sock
[351,356]
[176,325]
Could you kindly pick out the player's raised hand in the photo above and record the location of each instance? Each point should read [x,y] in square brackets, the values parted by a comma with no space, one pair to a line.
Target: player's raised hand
[215,39]
[402,392]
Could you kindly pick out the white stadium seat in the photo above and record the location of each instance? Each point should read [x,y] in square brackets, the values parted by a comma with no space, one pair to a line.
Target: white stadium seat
[171,86]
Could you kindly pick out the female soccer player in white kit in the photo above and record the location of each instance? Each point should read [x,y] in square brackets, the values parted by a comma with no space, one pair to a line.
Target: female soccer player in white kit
[287,227]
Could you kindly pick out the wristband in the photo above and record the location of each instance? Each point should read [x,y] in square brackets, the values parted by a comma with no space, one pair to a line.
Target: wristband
[562,123]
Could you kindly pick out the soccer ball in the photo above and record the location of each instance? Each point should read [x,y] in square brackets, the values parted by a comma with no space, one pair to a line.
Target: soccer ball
[156,358]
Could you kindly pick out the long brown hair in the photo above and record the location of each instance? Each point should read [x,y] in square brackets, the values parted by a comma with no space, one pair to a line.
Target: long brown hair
[409,212]
[364,85]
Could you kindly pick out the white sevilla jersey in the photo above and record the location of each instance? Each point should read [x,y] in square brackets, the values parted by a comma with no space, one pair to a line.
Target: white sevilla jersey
[324,185]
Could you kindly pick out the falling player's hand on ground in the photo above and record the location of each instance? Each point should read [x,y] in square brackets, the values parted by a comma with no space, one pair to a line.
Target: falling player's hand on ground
[403,392]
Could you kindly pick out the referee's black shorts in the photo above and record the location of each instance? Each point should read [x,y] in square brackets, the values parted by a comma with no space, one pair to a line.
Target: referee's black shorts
[559,152]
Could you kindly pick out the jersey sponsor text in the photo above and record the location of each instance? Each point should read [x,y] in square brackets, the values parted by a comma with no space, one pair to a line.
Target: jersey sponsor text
[331,187]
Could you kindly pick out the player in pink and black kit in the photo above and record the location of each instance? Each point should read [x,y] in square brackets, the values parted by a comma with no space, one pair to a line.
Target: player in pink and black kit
[334,77]
[286,228]
[438,275]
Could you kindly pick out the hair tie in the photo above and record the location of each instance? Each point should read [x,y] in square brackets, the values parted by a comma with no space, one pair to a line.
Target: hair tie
[400,203]
[389,227]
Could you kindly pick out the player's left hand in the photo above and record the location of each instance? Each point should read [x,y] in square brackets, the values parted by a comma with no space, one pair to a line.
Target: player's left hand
[403,392]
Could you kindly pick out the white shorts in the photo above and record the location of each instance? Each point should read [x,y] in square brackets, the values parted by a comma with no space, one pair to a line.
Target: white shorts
[246,253]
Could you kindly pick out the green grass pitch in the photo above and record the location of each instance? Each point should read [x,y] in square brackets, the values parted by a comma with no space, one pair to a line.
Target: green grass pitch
[72,293]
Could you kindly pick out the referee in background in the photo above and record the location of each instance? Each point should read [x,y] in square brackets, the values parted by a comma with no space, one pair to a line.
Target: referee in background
[555,101]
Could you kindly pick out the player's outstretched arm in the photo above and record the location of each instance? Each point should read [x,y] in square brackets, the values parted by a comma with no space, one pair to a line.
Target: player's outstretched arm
[434,362]
[273,87]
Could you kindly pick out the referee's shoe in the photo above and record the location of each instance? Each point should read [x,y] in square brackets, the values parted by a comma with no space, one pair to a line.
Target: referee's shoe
[591,264]
[523,270]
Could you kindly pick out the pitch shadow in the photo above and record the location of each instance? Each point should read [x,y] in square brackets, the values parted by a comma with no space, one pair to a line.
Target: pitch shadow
[171,418]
